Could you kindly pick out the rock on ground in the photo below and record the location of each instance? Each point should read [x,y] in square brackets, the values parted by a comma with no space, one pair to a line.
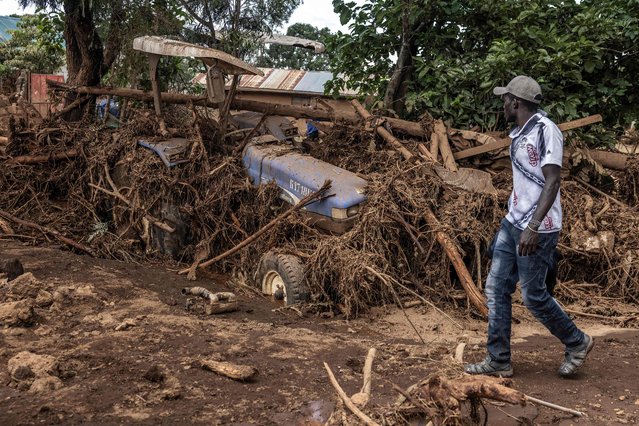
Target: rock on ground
[24,286]
[17,314]
[33,372]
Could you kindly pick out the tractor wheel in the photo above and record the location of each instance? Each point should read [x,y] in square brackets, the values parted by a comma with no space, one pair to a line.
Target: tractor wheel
[281,276]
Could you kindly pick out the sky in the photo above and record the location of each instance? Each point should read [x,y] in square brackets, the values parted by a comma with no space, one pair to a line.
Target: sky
[315,12]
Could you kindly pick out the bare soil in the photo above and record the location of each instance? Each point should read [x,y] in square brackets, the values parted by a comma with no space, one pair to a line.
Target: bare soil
[148,371]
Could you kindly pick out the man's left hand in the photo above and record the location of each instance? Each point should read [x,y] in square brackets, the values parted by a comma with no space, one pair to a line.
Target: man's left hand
[527,242]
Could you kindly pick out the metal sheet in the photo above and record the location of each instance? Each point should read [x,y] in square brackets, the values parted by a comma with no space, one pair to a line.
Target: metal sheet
[163,46]
[313,81]
[38,95]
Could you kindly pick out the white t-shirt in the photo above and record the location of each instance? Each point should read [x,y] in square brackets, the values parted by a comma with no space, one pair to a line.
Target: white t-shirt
[538,143]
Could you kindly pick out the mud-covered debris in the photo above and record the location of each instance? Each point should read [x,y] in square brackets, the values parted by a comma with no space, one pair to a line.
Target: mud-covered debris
[41,365]
[596,243]
[46,384]
[125,325]
[25,286]
[11,268]
[233,371]
[170,387]
[43,299]
[445,400]
[33,372]
[155,374]
[17,314]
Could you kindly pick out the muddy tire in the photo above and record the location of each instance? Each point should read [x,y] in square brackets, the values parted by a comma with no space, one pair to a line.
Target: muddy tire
[281,276]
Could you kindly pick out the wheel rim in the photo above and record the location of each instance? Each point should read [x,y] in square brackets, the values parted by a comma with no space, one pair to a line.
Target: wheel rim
[272,282]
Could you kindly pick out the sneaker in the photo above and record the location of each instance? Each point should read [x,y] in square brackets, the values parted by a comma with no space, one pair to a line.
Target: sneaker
[576,358]
[488,367]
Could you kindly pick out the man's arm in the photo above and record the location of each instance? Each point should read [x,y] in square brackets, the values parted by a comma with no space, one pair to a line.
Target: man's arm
[528,239]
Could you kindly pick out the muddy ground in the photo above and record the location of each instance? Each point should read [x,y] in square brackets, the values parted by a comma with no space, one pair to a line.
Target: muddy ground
[148,372]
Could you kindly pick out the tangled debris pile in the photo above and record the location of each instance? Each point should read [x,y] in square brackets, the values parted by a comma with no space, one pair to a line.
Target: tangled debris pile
[97,187]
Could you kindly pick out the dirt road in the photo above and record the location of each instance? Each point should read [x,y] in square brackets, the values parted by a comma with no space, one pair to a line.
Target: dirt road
[118,346]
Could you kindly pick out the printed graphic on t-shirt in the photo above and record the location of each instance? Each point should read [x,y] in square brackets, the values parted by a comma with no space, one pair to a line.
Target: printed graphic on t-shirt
[548,223]
[533,157]
[514,198]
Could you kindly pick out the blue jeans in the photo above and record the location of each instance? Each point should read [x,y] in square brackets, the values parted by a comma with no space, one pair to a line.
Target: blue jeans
[507,268]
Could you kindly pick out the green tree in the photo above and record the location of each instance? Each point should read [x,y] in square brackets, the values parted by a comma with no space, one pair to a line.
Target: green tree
[277,56]
[584,54]
[36,45]
[95,31]
[236,26]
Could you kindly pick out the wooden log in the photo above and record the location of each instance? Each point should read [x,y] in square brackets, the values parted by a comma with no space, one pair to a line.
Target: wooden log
[425,153]
[459,352]
[611,160]
[505,142]
[49,231]
[475,296]
[232,371]
[385,134]
[581,122]
[434,145]
[482,138]
[222,307]
[404,126]
[439,389]
[38,159]
[238,103]
[481,149]
[444,146]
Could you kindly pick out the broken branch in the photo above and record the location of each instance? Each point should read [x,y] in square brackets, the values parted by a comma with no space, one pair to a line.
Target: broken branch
[475,296]
[49,231]
[347,401]
[37,159]
[385,134]
[444,146]
[554,406]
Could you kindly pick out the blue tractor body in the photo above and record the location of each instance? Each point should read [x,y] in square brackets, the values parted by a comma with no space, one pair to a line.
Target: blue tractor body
[298,175]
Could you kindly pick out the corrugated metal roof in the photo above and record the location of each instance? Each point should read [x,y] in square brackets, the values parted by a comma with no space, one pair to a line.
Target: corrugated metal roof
[7,23]
[286,80]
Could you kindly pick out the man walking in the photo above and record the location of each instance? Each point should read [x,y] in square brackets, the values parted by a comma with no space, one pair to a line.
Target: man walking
[525,244]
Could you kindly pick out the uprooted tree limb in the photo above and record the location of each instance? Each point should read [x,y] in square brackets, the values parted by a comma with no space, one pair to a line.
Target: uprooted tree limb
[49,231]
[38,159]
[388,137]
[475,296]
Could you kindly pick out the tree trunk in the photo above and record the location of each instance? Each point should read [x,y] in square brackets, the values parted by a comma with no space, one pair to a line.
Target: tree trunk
[397,85]
[83,48]
[115,37]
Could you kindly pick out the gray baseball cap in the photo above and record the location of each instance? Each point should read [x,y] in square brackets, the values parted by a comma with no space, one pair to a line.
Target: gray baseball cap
[523,87]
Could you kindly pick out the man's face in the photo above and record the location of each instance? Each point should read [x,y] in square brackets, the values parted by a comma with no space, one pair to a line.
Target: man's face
[510,108]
